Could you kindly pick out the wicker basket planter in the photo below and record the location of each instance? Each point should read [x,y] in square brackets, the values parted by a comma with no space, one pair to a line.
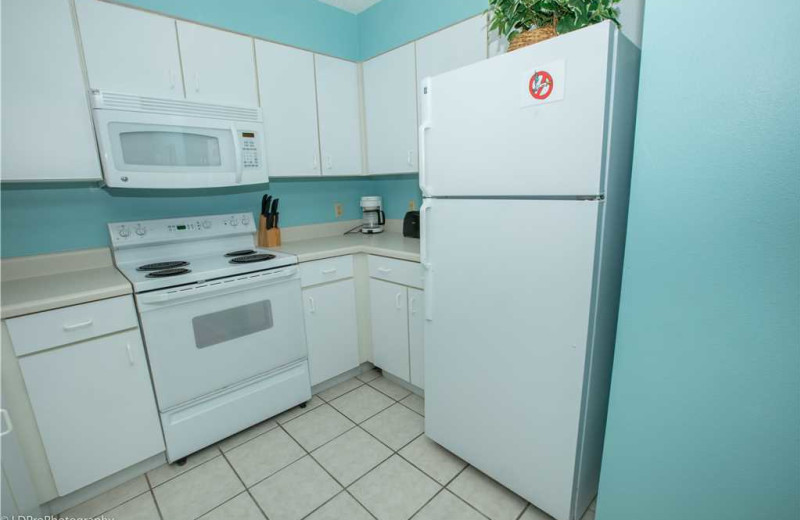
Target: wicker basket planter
[533,36]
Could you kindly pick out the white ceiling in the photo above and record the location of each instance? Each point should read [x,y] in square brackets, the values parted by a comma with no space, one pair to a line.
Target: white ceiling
[353,6]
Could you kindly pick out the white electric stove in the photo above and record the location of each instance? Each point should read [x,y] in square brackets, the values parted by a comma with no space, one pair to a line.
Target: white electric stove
[222,322]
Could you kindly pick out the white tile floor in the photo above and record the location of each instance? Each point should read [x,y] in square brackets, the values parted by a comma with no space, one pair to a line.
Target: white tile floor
[356,451]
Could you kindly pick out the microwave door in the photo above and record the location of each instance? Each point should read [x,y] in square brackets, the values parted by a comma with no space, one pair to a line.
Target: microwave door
[140,150]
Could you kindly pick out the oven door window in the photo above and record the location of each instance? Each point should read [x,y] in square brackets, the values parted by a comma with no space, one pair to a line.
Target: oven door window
[158,148]
[219,327]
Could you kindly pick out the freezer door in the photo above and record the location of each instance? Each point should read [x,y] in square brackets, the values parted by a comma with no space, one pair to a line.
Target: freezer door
[508,292]
[484,132]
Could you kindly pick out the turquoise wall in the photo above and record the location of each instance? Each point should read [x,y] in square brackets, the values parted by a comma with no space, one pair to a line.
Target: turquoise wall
[60,217]
[704,417]
[391,23]
[48,218]
[308,24]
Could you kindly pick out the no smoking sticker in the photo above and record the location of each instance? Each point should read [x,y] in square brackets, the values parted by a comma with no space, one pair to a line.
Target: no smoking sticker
[543,84]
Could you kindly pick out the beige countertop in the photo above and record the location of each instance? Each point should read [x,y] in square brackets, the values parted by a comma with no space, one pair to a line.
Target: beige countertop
[391,244]
[45,282]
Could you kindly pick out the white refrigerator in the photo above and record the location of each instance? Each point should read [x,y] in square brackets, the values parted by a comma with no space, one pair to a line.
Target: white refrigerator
[525,166]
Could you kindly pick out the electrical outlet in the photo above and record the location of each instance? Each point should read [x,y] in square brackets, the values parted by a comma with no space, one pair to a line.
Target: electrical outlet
[337,209]
[412,205]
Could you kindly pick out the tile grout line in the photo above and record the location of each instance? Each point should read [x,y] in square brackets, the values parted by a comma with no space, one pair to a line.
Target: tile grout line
[246,489]
[442,489]
[344,488]
[188,470]
[319,394]
[58,515]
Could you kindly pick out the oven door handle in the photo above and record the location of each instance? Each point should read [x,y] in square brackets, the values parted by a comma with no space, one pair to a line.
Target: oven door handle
[205,289]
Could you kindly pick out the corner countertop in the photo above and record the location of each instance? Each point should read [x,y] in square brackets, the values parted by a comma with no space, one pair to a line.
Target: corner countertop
[390,244]
[46,282]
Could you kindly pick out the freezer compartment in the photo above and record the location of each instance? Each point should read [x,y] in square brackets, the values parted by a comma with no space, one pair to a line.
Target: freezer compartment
[484,132]
[506,334]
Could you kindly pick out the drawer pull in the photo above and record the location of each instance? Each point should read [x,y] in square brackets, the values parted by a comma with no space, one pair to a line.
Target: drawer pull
[130,354]
[312,307]
[384,270]
[328,271]
[76,326]
[397,300]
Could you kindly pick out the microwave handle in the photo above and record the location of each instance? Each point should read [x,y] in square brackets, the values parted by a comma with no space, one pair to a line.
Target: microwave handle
[237,152]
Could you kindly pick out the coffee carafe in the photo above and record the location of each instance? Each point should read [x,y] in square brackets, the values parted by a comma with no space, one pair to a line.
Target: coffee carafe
[373,216]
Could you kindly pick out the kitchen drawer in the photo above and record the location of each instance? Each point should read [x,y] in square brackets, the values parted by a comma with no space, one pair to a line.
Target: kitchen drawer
[328,270]
[44,330]
[397,271]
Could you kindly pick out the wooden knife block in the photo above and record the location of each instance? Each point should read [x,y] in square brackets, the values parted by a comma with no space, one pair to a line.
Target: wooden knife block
[267,237]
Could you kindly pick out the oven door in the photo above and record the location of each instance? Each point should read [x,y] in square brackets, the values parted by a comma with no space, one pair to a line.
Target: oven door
[205,337]
[144,150]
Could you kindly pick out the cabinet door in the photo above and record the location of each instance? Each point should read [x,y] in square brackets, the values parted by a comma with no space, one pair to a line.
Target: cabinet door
[47,124]
[416,342]
[289,100]
[331,330]
[457,46]
[94,406]
[218,66]
[389,313]
[390,102]
[339,110]
[129,51]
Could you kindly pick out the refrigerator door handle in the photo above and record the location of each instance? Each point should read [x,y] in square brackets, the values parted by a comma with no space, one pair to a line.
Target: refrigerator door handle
[426,265]
[423,128]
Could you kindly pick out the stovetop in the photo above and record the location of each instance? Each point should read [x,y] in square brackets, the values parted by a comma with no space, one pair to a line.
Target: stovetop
[158,254]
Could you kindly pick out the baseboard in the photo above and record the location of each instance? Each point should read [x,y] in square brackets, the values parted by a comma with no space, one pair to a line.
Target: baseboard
[60,504]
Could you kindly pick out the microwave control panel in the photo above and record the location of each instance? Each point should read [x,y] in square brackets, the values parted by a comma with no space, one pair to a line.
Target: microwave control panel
[250,157]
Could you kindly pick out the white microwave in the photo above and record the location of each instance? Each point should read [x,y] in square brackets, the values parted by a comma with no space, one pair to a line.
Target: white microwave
[165,143]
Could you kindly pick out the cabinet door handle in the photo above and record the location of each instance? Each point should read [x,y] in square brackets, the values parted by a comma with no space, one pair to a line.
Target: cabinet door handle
[397,300]
[315,161]
[410,162]
[196,82]
[312,307]
[329,271]
[76,326]
[130,354]
[411,306]
[329,161]
[171,78]
[384,270]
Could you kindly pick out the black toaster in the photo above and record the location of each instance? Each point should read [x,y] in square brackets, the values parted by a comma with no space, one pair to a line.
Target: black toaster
[411,224]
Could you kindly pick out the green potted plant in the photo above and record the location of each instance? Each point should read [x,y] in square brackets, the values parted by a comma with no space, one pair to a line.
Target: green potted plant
[525,22]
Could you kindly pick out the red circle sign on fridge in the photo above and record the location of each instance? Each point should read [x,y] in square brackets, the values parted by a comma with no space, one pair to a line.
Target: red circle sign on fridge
[541,85]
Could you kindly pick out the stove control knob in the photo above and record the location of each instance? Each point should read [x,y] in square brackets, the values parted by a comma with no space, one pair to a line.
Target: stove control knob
[206,224]
[234,221]
[141,231]
[245,220]
[124,232]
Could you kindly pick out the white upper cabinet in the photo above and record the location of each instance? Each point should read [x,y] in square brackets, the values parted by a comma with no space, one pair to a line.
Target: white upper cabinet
[289,101]
[457,46]
[47,129]
[129,51]
[218,66]
[390,102]
[339,109]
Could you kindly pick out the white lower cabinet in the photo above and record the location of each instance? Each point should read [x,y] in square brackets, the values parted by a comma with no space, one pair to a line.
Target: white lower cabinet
[94,407]
[389,315]
[330,313]
[329,303]
[416,341]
